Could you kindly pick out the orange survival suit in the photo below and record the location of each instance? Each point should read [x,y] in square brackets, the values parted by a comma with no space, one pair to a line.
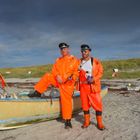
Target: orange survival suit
[67,68]
[90,92]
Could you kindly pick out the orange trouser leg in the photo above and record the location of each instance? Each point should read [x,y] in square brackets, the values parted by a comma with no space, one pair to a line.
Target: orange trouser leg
[88,98]
[45,81]
[95,101]
[84,97]
[66,92]
[84,101]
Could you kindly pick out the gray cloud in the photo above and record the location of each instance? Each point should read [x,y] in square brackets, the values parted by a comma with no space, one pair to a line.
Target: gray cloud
[32,29]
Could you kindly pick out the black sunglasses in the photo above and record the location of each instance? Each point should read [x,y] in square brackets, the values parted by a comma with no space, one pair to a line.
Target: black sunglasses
[84,51]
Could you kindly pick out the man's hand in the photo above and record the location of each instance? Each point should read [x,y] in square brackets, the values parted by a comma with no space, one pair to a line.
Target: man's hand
[59,79]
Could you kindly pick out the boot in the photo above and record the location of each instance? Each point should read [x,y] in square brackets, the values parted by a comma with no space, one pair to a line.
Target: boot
[34,94]
[86,119]
[68,124]
[100,125]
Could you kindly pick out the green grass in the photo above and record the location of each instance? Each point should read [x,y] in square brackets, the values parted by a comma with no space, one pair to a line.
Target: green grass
[22,72]
[127,69]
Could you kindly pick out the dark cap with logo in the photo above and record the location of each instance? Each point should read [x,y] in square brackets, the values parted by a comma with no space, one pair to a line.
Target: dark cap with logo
[63,45]
[85,47]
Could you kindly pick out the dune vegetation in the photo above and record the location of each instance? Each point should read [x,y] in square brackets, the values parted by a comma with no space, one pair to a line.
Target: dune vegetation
[129,68]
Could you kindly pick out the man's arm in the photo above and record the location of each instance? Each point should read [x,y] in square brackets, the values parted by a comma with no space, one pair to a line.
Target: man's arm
[100,71]
[75,71]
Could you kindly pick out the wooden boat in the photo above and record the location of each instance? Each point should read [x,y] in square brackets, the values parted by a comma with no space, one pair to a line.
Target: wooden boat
[19,112]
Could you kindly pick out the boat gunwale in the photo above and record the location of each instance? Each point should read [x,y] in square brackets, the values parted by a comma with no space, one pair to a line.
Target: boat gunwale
[75,95]
[34,100]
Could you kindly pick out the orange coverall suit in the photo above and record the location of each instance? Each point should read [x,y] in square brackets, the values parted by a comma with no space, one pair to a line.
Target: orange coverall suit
[67,68]
[90,93]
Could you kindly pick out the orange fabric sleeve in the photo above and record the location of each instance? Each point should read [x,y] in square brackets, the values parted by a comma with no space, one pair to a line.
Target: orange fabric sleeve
[99,71]
[75,72]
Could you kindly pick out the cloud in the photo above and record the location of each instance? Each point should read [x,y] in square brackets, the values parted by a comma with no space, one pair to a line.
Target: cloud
[31,30]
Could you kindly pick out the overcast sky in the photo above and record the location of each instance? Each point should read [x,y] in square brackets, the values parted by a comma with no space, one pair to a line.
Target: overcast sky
[30,30]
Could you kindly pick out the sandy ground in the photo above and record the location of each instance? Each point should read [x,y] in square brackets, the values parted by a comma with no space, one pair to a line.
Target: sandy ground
[121,117]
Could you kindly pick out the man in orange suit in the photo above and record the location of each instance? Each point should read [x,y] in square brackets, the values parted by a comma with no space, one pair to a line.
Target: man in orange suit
[64,74]
[90,73]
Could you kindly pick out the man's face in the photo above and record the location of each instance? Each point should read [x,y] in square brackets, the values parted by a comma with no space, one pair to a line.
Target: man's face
[85,54]
[64,51]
